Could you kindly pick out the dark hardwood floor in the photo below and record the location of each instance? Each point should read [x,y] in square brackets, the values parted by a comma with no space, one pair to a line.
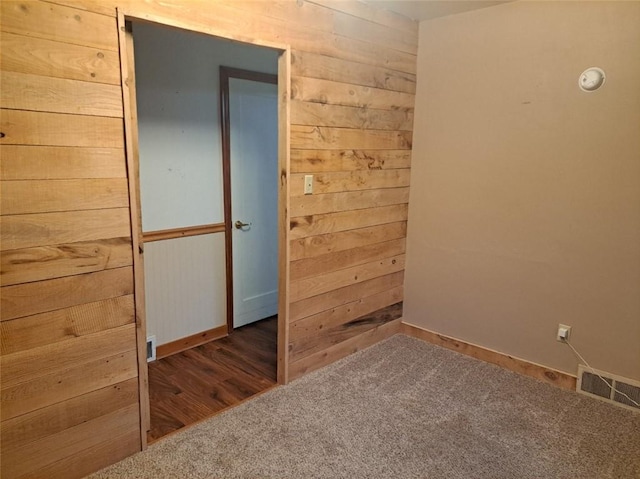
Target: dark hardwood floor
[195,384]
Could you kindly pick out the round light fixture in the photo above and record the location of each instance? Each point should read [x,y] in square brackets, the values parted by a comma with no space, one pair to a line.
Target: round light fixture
[591,79]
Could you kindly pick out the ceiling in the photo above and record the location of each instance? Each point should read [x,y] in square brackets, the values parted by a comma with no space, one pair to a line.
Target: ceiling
[428,9]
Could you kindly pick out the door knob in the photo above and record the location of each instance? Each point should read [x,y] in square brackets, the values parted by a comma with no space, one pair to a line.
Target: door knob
[240,224]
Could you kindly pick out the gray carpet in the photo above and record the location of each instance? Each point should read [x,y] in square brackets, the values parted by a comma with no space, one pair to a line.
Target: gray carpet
[403,409]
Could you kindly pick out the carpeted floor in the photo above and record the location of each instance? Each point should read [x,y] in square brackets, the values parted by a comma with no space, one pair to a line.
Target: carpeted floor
[403,409]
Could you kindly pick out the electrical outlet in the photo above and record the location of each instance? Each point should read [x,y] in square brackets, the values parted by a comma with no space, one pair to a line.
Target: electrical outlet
[563,332]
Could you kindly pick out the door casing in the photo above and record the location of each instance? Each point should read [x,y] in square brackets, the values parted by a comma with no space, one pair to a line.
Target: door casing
[136,12]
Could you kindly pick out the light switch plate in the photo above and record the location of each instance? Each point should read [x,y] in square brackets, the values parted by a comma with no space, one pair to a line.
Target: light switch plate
[308,184]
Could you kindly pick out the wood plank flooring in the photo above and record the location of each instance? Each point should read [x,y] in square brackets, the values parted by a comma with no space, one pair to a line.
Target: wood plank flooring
[195,384]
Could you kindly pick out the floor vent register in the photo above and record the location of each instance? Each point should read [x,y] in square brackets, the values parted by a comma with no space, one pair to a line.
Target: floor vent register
[591,385]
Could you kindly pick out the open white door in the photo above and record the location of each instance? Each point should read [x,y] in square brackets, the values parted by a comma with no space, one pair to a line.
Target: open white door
[253,115]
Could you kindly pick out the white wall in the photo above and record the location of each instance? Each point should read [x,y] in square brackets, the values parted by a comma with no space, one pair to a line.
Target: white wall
[177,83]
[527,212]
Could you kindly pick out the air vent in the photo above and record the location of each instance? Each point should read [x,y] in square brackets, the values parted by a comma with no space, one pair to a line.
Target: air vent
[151,348]
[591,385]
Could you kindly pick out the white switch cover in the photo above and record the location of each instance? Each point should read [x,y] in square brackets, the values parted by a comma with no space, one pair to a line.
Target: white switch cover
[308,184]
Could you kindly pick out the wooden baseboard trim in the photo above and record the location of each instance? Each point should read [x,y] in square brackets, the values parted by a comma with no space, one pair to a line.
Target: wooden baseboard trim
[520,366]
[192,341]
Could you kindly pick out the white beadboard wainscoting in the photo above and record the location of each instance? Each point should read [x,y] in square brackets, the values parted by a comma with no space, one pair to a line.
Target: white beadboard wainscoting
[184,286]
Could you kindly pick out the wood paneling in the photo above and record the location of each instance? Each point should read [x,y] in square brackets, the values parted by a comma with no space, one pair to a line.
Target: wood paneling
[33,457]
[322,114]
[317,324]
[310,247]
[397,39]
[68,384]
[61,60]
[345,201]
[311,137]
[307,268]
[62,24]
[47,262]
[312,225]
[324,19]
[341,181]
[58,417]
[70,401]
[98,6]
[334,335]
[69,227]
[375,15]
[31,364]
[256,22]
[345,348]
[66,323]
[307,287]
[32,298]
[45,196]
[23,91]
[312,161]
[27,231]
[247,20]
[56,129]
[59,162]
[113,448]
[312,65]
[334,93]
[345,295]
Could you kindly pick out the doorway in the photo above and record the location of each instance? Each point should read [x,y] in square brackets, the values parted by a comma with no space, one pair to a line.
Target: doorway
[249,112]
[211,226]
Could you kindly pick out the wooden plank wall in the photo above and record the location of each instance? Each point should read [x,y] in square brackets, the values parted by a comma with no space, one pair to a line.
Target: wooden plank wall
[69,386]
[69,365]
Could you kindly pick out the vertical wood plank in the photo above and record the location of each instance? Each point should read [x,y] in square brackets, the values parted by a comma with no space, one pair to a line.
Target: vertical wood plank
[284,167]
[125,38]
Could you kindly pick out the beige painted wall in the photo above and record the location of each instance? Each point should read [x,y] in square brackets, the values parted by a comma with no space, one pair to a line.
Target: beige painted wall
[525,197]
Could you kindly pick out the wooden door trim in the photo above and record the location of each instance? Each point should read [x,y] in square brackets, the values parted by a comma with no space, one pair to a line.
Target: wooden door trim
[138,12]
[226,73]
[127,67]
[185,232]
[284,219]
